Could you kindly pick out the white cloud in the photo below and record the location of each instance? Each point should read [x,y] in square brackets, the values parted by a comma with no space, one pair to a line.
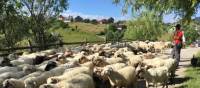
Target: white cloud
[98,17]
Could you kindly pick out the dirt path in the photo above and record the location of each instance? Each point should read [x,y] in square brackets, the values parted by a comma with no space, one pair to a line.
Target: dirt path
[186,55]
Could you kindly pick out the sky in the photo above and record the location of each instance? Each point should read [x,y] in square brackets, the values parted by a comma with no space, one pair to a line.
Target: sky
[100,9]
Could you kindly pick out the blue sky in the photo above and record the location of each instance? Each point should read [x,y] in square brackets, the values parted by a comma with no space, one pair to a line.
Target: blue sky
[99,9]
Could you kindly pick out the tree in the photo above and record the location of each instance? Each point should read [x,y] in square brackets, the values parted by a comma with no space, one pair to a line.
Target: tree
[111,20]
[191,34]
[86,20]
[39,13]
[94,21]
[113,34]
[78,19]
[147,27]
[13,26]
[185,9]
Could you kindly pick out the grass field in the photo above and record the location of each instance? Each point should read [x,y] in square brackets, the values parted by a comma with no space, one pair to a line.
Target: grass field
[77,36]
[194,78]
[88,27]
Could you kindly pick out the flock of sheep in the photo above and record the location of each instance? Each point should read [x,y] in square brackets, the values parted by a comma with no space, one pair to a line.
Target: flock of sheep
[90,66]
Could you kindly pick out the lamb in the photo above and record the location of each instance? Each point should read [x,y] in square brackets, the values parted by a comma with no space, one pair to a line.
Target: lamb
[77,81]
[122,78]
[19,83]
[156,75]
[71,72]
[35,82]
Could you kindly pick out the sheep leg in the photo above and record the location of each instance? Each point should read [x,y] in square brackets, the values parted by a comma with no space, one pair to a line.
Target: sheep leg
[147,84]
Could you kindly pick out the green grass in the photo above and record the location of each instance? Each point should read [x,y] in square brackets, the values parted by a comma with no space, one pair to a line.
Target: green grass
[77,36]
[88,27]
[194,75]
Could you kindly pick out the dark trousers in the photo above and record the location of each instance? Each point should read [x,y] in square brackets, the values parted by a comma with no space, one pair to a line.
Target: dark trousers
[176,52]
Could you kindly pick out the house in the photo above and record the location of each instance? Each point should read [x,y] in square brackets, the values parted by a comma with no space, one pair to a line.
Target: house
[66,19]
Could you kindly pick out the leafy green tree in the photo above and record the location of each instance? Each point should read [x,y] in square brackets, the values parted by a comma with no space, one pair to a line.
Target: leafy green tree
[191,34]
[147,27]
[13,26]
[94,21]
[186,9]
[78,19]
[113,34]
[111,20]
[39,13]
[86,20]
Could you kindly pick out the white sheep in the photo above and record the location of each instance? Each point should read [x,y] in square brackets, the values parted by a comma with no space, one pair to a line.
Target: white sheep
[114,60]
[71,72]
[19,83]
[156,75]
[122,78]
[9,69]
[134,60]
[77,81]
[35,82]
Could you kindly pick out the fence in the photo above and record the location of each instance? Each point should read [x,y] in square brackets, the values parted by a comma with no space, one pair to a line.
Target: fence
[31,47]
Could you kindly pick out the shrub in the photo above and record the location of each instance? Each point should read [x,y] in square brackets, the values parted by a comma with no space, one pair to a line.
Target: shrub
[147,27]
[113,34]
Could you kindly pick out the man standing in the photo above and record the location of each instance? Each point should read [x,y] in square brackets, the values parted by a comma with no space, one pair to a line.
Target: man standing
[178,43]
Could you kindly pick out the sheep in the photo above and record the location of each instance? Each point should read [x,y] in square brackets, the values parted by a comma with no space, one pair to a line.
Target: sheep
[144,47]
[159,46]
[26,70]
[71,72]
[35,82]
[115,60]
[12,56]
[9,69]
[8,75]
[5,62]
[50,65]
[77,81]
[155,75]
[134,60]
[19,83]
[116,66]
[49,52]
[122,78]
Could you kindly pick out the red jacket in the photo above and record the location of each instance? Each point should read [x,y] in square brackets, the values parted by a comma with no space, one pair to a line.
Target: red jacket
[178,37]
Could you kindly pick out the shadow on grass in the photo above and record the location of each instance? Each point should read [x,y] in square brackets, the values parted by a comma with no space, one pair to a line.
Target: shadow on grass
[180,80]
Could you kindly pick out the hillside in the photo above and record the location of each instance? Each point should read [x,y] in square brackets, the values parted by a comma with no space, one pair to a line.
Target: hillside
[77,36]
[88,27]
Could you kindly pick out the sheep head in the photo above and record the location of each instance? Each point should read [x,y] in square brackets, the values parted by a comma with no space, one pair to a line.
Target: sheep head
[29,69]
[107,71]
[9,84]
[30,83]
[83,59]
[52,80]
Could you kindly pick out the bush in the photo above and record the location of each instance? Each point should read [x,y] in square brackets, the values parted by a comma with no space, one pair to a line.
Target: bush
[113,34]
[101,33]
[191,34]
[147,27]
[195,61]
[59,24]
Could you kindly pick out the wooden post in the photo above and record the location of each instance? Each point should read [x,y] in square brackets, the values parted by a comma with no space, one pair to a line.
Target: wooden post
[61,43]
[31,47]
